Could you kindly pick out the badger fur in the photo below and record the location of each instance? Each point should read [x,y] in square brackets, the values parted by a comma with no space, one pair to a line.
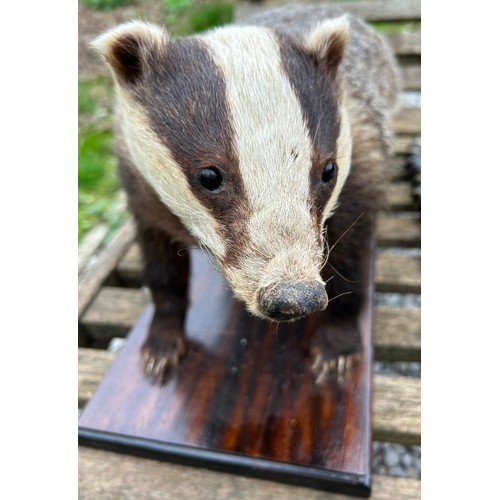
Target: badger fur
[265,144]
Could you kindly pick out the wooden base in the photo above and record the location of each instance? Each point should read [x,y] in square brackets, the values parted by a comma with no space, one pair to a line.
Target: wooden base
[243,400]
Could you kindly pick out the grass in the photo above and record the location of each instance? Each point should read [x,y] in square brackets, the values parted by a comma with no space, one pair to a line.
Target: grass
[388,27]
[97,183]
[184,17]
[211,15]
[105,4]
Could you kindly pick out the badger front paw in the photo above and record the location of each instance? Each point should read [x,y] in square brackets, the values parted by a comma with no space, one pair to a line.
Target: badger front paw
[162,350]
[336,350]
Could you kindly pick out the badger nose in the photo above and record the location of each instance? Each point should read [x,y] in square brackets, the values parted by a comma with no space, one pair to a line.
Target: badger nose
[287,300]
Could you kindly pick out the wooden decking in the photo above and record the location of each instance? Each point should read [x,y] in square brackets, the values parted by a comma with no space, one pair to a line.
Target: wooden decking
[111,299]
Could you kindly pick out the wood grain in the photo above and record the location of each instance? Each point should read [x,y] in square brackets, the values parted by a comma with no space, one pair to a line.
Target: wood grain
[407,121]
[395,230]
[411,76]
[405,43]
[258,410]
[377,10]
[105,475]
[397,273]
[114,311]
[397,334]
[92,279]
[402,143]
[402,425]
[90,243]
[400,196]
[402,401]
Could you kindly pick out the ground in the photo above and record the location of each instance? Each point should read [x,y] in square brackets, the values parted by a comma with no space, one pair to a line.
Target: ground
[92,22]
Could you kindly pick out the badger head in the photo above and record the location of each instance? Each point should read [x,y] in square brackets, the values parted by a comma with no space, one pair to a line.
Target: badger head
[243,134]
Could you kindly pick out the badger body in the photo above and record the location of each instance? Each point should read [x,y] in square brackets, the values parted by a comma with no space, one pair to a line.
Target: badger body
[265,144]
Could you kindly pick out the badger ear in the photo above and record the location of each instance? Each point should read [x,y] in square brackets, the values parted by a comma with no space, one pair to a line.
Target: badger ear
[132,48]
[328,42]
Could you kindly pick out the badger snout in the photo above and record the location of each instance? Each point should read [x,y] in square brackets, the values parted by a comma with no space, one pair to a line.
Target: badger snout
[288,300]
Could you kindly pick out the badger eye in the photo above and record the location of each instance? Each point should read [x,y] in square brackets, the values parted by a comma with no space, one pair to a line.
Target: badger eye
[210,178]
[329,171]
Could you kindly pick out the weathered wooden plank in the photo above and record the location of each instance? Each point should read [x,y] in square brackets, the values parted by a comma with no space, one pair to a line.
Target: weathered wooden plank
[108,475]
[402,143]
[396,272]
[396,409]
[90,244]
[400,196]
[115,311]
[129,269]
[383,10]
[397,334]
[92,365]
[92,279]
[402,426]
[407,121]
[378,10]
[405,43]
[395,230]
[411,76]
[397,168]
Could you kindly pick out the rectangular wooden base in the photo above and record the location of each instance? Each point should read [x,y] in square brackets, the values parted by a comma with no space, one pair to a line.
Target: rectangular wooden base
[243,400]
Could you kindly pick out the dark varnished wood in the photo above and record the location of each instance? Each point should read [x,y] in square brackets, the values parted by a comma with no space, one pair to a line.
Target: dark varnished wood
[243,400]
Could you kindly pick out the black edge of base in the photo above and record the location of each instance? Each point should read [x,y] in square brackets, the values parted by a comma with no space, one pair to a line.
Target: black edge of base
[298,475]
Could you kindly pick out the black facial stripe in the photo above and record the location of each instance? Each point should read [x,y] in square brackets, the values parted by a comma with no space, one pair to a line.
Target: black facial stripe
[315,92]
[185,101]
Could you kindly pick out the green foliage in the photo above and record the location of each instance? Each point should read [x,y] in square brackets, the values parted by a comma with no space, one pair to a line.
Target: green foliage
[210,15]
[105,4]
[396,26]
[97,183]
[176,11]
[184,17]
[177,6]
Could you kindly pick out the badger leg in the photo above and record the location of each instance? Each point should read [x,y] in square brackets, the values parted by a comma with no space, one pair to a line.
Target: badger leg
[336,344]
[166,272]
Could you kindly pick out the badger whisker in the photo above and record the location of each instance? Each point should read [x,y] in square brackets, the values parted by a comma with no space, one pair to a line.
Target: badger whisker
[324,235]
[330,249]
[341,275]
[347,230]
[275,333]
[342,235]
[210,258]
[339,295]
[183,251]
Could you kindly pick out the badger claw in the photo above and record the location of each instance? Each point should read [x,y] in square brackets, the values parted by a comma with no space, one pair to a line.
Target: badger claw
[336,350]
[337,367]
[161,354]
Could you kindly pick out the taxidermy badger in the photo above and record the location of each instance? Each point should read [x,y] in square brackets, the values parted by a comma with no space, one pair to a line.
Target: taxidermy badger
[265,144]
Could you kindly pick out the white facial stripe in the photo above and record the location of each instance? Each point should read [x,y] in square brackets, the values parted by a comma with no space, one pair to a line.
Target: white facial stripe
[165,176]
[343,159]
[274,154]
